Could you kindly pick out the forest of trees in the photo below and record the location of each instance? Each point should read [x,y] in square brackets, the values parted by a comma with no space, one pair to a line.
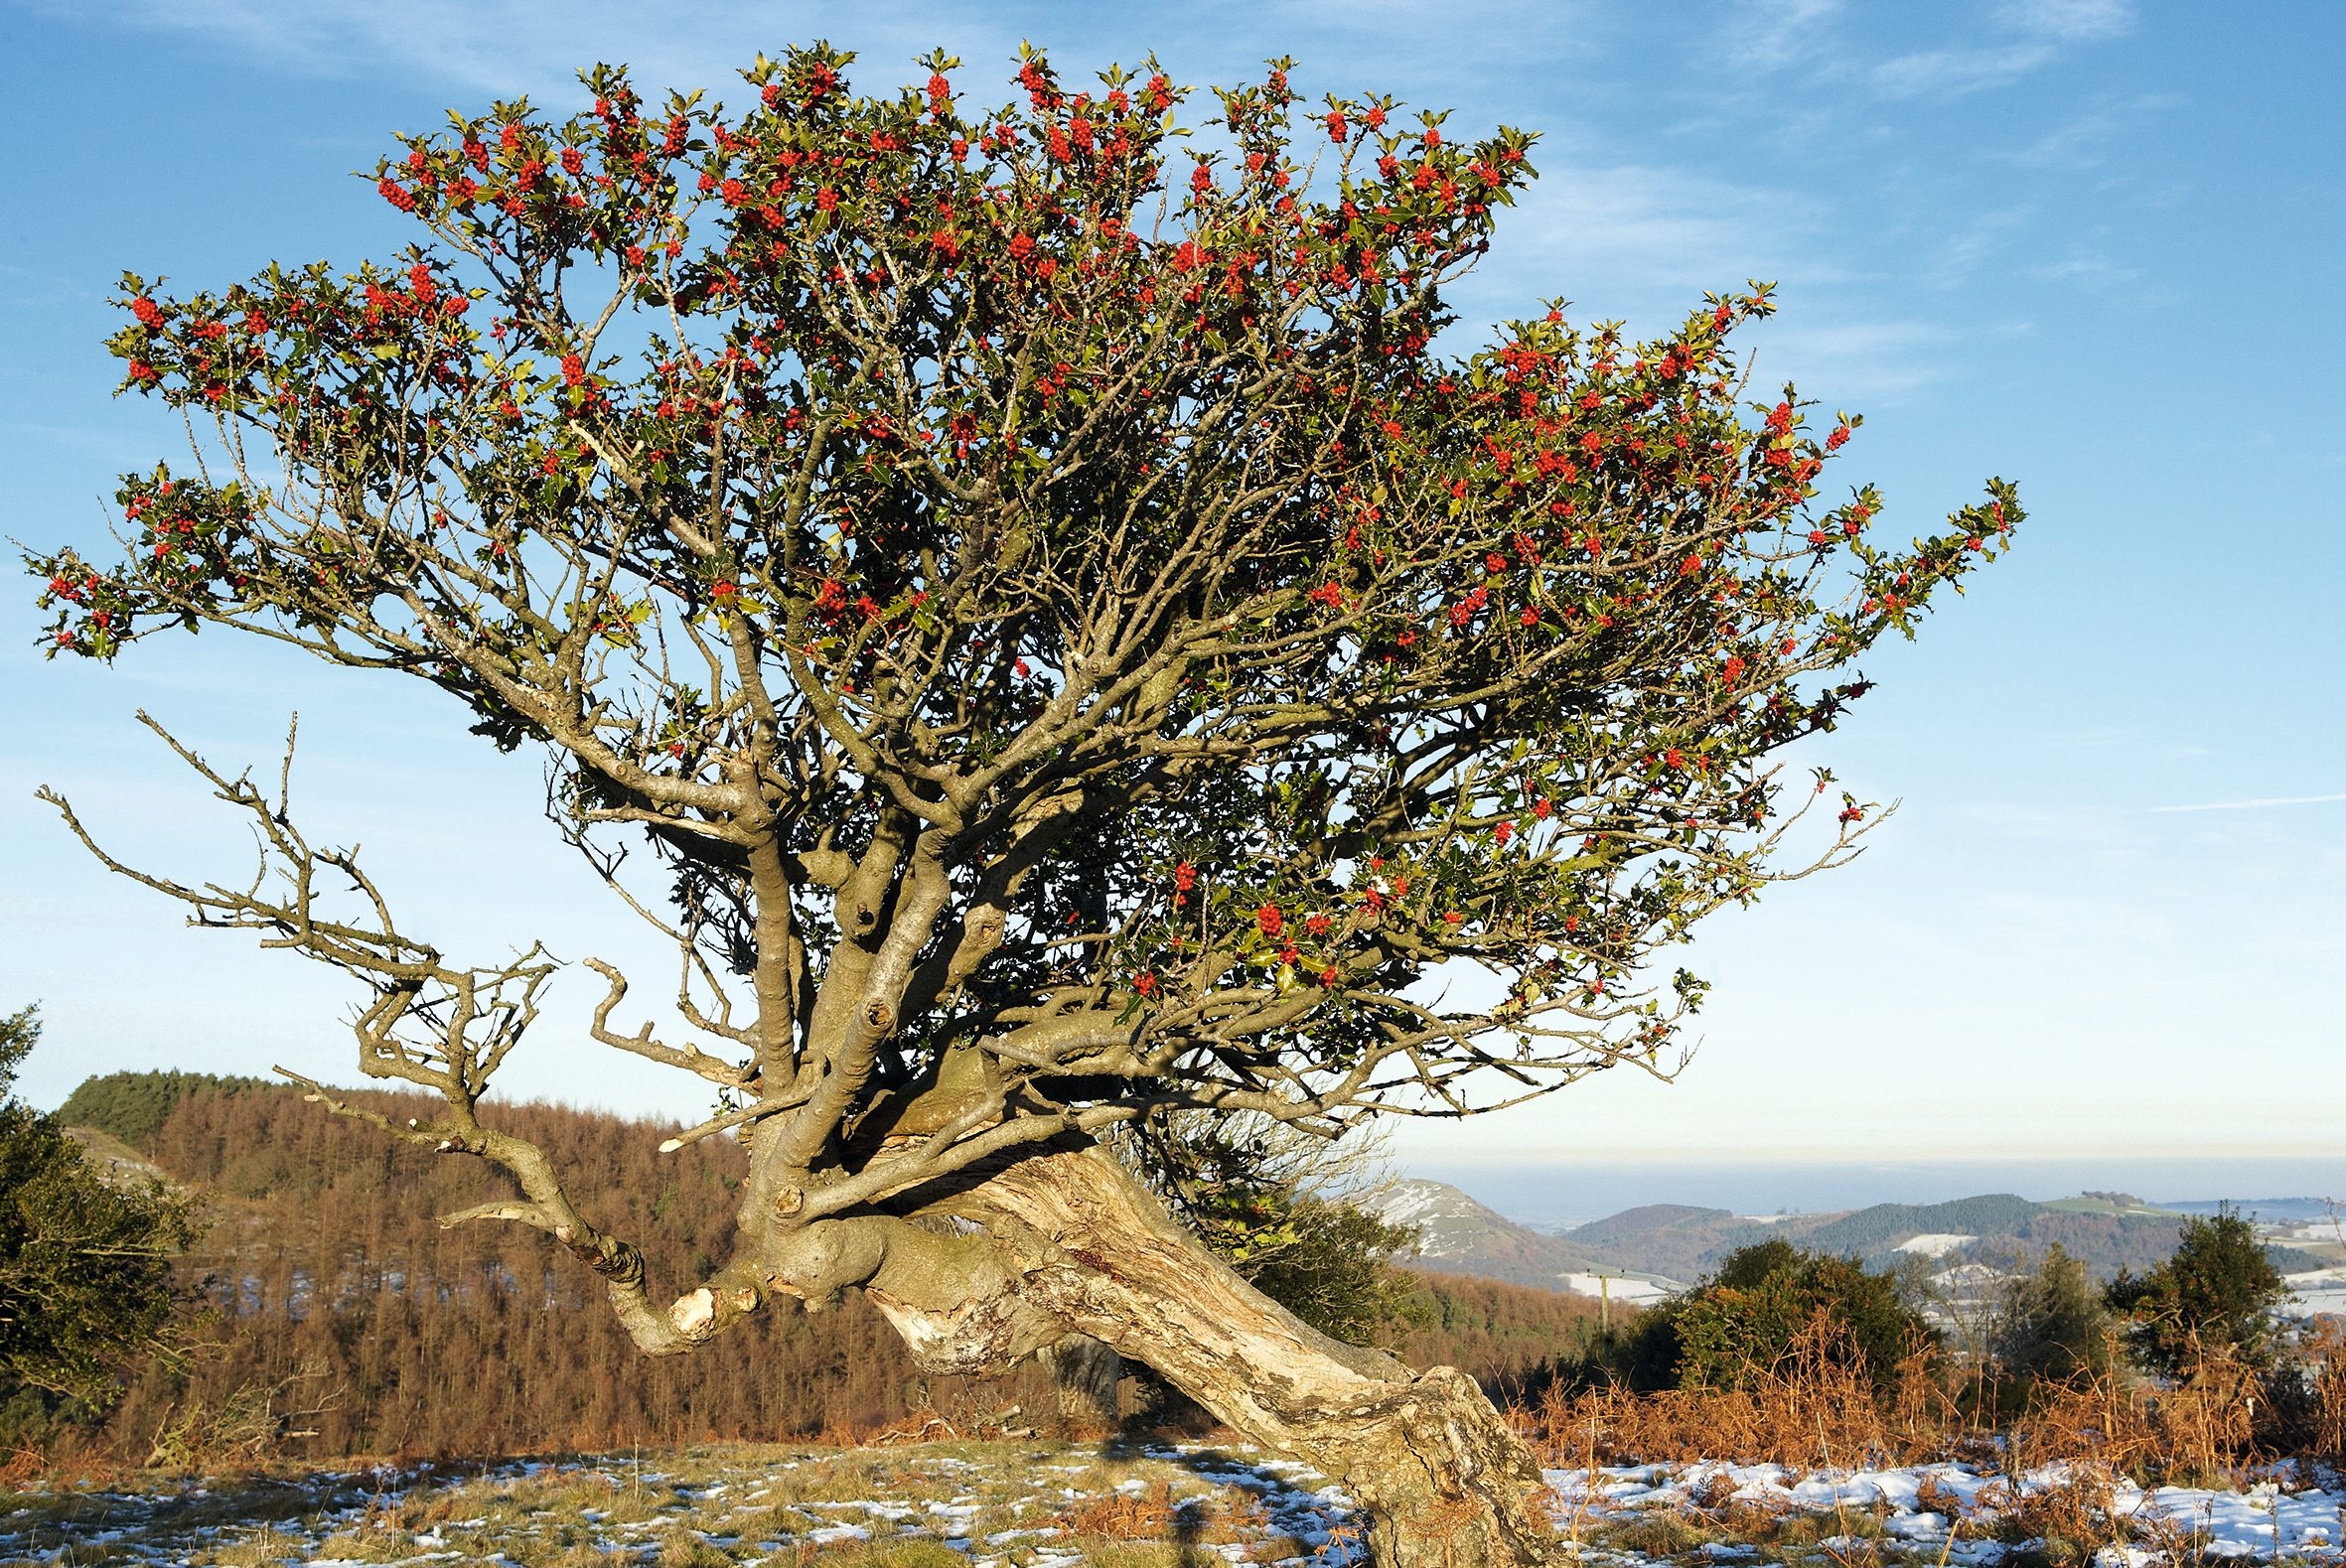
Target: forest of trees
[324,1285]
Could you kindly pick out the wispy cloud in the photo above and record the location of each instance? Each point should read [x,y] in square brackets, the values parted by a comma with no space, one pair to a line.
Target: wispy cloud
[504,46]
[1860,360]
[2089,271]
[2256,805]
[1953,73]
[2043,28]
[2070,21]
[1950,260]
[1643,241]
[1770,35]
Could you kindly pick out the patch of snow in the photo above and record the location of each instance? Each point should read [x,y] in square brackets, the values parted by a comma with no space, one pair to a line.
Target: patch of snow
[1623,1287]
[1406,1202]
[2258,1523]
[1936,1244]
[2319,1291]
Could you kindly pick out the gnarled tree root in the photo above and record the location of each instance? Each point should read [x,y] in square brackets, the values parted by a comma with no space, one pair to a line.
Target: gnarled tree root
[1442,1477]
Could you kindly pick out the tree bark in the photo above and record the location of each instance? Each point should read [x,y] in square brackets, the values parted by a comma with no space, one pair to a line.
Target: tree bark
[1443,1477]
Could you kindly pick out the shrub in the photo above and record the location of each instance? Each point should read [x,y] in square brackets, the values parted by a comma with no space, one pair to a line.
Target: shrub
[2052,1325]
[2216,1296]
[1739,1326]
[83,1264]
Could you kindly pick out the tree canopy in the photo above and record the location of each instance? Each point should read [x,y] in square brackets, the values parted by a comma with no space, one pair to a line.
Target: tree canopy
[2215,1295]
[1083,634]
[133,1106]
[2052,1325]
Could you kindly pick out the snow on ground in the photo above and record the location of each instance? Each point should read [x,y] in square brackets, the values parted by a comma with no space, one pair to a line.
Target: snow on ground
[979,1505]
[1411,1200]
[1043,1506]
[1936,1245]
[1969,1279]
[1623,1287]
[2322,1290]
[1913,1506]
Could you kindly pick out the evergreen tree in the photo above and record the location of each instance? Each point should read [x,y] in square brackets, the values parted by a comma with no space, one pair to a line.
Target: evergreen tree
[133,1106]
[2052,1325]
[84,1262]
[2215,1295]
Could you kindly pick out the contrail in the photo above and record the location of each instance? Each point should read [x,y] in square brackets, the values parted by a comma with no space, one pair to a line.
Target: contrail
[2250,806]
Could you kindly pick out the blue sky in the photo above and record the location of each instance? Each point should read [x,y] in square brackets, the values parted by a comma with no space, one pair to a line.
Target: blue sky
[2096,249]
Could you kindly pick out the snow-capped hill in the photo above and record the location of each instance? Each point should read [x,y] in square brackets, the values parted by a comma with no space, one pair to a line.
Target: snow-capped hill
[1462,1236]
[1414,1202]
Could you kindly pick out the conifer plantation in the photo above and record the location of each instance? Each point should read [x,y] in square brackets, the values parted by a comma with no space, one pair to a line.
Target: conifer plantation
[325,1286]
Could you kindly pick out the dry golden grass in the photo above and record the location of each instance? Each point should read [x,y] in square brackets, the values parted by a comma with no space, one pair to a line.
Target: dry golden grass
[364,1545]
[2203,1428]
[1108,1553]
[259,1549]
[1816,1407]
[702,1508]
[583,1555]
[1124,1515]
[1817,1410]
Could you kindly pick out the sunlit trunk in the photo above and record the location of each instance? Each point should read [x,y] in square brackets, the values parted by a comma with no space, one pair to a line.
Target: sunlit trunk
[1439,1472]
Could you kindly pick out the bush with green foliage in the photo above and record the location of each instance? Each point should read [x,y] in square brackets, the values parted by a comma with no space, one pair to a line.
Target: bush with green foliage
[133,1106]
[1739,1324]
[2052,1325]
[1334,1269]
[84,1262]
[1269,1201]
[2216,1296]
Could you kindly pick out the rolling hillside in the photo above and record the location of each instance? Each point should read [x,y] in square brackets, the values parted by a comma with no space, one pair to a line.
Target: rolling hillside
[338,1308]
[1462,1236]
[1999,1229]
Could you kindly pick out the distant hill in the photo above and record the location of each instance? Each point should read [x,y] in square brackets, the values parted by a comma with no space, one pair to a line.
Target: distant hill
[2103,1231]
[1674,1240]
[1462,1236]
[1870,1233]
[1647,1219]
[133,1106]
[2108,1204]
[2272,1211]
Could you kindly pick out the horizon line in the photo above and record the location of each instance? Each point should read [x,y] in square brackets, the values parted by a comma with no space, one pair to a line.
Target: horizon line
[1904,1156]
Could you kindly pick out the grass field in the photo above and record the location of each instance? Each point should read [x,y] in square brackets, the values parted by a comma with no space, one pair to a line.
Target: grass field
[1036,1504]
[930,1505]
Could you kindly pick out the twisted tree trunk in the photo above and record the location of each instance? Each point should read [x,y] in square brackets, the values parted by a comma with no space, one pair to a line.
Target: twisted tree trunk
[1443,1477]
